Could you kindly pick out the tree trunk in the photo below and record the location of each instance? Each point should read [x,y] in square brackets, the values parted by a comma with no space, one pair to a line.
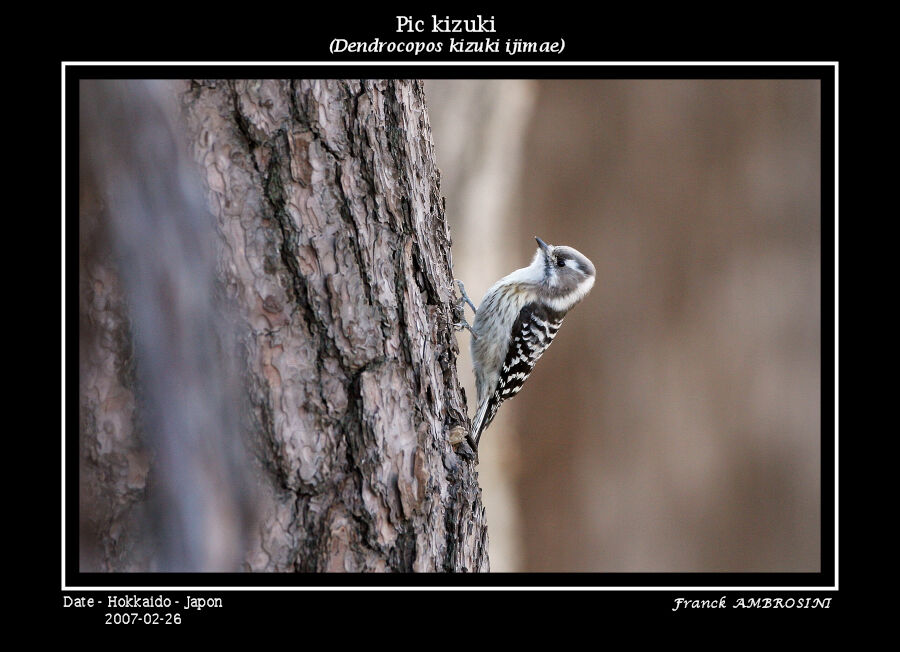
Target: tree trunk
[335,257]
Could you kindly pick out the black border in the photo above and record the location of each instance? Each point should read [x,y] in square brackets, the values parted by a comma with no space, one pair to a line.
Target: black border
[825,578]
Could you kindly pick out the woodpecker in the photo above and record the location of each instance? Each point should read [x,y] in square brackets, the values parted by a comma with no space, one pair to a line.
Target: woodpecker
[516,321]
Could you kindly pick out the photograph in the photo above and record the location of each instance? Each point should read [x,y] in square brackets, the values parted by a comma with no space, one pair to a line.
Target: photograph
[314,319]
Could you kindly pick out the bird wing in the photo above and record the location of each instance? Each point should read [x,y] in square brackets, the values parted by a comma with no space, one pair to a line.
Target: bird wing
[531,334]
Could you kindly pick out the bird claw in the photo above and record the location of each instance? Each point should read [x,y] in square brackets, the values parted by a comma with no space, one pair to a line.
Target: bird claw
[464,324]
[465,297]
[460,309]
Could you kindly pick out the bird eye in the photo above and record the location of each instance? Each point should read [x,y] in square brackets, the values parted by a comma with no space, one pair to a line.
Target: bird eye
[560,262]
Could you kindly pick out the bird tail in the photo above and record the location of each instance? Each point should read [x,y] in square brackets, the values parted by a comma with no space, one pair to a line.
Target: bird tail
[478,423]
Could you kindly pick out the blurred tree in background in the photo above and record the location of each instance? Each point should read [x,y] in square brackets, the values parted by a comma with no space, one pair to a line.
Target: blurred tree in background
[479,131]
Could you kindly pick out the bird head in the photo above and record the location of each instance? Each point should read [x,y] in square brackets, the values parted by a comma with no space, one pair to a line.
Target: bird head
[567,274]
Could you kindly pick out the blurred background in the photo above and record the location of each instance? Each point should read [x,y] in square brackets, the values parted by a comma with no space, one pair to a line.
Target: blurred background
[674,425]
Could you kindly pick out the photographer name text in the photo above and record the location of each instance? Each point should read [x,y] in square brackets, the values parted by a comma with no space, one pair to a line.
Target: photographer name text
[752,603]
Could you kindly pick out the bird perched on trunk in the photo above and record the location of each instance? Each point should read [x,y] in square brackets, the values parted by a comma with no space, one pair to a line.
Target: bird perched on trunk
[516,321]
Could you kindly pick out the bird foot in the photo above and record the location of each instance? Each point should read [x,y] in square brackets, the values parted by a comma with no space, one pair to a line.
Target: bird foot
[464,297]
[459,309]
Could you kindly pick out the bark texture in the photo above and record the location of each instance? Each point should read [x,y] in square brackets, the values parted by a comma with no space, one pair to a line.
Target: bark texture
[334,256]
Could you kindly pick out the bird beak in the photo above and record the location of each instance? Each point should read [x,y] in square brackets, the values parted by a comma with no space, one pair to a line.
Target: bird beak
[544,246]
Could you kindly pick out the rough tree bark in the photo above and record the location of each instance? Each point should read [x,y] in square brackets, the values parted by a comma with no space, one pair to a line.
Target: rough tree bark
[335,257]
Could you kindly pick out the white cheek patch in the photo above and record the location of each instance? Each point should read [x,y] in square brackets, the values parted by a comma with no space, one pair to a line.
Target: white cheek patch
[564,304]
